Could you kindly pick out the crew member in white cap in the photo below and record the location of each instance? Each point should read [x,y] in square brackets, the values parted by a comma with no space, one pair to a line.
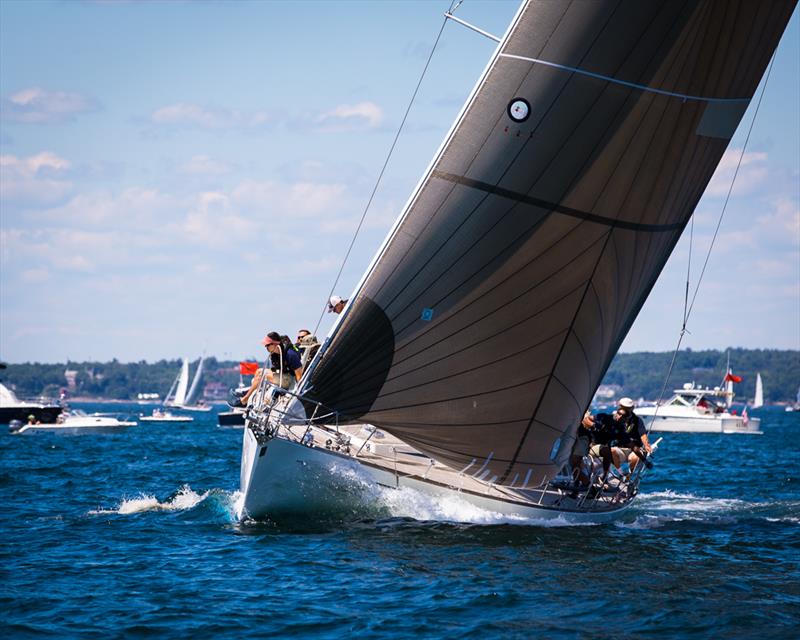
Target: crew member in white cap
[630,436]
[336,304]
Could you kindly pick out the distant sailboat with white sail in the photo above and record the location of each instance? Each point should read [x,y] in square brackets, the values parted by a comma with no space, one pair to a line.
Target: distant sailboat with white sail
[758,399]
[181,395]
[475,341]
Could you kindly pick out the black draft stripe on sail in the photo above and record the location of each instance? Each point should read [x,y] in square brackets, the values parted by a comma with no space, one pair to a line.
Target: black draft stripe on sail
[553,206]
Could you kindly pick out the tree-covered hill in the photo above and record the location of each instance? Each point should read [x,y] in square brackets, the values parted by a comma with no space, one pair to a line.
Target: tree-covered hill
[638,374]
[641,374]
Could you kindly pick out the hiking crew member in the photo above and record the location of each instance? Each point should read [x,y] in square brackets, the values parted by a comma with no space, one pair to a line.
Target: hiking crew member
[630,436]
[286,368]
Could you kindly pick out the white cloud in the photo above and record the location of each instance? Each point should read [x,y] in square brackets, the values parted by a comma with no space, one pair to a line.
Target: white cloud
[782,222]
[356,117]
[752,173]
[134,208]
[192,115]
[292,200]
[35,276]
[34,181]
[203,165]
[34,105]
[213,221]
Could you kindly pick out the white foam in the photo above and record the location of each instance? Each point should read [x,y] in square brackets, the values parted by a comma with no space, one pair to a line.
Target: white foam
[671,500]
[407,502]
[185,499]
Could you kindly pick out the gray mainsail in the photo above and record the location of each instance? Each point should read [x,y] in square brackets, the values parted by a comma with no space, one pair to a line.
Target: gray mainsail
[521,261]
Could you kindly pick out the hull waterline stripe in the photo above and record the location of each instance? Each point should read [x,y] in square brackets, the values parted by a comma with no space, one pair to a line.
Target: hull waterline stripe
[552,206]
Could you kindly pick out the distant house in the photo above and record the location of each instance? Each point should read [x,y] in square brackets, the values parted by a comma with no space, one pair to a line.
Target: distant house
[215,391]
[70,376]
[607,392]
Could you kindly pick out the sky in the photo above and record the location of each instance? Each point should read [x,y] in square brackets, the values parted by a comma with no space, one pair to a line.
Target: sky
[182,177]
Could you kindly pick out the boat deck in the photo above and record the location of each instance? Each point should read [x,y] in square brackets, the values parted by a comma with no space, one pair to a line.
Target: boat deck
[379,449]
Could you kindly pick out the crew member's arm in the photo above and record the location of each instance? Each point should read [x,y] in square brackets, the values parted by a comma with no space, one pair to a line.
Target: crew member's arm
[253,385]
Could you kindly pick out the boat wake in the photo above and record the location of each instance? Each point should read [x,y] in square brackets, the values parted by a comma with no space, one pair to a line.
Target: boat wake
[660,508]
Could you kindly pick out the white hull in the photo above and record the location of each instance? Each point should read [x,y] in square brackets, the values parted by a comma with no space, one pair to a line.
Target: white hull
[699,424]
[166,419]
[78,425]
[282,477]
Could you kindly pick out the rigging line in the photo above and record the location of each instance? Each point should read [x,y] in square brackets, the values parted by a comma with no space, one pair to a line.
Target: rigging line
[383,169]
[688,276]
[711,246]
[730,188]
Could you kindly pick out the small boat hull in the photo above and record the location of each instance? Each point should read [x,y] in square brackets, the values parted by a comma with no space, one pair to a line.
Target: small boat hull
[231,418]
[87,425]
[692,424]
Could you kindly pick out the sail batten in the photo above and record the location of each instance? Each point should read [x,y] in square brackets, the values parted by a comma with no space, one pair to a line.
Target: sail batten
[497,303]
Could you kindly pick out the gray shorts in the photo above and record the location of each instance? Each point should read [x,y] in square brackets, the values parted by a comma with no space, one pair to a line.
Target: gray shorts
[595,450]
[283,380]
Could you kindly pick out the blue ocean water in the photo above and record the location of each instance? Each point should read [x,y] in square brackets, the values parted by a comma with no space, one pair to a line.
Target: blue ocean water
[133,535]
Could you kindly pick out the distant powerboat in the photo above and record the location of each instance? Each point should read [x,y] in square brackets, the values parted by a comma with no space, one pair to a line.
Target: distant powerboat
[74,422]
[696,409]
[12,408]
[232,418]
[160,415]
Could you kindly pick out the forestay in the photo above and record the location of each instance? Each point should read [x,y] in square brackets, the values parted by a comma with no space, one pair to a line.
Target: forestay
[520,263]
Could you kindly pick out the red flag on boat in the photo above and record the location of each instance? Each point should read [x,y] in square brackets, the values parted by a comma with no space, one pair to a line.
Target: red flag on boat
[732,378]
[248,368]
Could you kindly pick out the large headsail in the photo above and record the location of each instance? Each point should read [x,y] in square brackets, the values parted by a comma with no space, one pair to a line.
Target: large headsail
[520,263]
[191,396]
[182,384]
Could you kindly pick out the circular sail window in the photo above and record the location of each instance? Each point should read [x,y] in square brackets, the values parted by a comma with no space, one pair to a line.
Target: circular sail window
[519,109]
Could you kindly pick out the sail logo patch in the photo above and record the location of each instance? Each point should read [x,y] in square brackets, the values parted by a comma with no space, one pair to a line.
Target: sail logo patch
[427,314]
[519,109]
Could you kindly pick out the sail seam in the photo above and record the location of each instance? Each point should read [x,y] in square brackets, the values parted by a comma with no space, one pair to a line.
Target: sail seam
[631,85]
[550,377]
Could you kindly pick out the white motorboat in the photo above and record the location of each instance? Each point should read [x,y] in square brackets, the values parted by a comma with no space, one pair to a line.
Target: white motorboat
[160,415]
[695,409]
[481,330]
[74,423]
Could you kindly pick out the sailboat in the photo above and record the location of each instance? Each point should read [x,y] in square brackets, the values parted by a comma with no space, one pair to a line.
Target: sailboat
[758,399]
[176,396]
[180,394]
[796,406]
[477,336]
[191,403]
